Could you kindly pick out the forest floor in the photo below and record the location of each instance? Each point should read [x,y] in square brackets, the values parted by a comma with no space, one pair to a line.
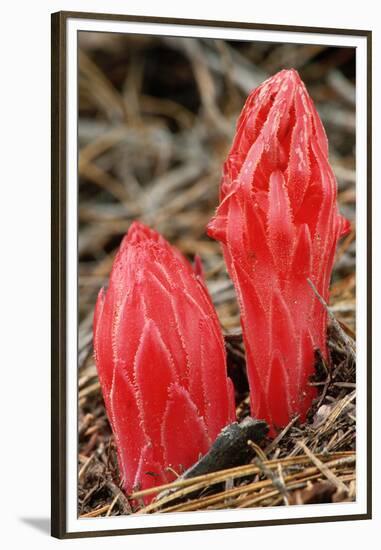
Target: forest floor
[156,120]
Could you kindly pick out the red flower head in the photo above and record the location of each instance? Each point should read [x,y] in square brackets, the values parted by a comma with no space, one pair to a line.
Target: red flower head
[279,225]
[160,357]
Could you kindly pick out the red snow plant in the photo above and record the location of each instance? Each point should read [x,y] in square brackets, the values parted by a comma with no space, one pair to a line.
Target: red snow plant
[279,225]
[160,357]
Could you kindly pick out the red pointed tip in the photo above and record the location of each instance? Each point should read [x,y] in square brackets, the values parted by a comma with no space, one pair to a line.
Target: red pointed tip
[293,73]
[98,308]
[198,268]
[138,232]
[217,227]
[289,73]
[346,227]
[285,76]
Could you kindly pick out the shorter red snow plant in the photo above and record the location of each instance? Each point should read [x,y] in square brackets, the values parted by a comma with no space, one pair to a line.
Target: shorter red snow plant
[161,361]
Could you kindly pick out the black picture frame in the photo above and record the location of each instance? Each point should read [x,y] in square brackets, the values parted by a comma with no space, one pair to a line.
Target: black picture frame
[59,265]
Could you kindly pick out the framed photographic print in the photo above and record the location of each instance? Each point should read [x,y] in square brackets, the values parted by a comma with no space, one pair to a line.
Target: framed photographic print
[211,300]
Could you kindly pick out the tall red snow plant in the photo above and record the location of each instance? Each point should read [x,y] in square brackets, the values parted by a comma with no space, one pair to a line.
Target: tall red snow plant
[279,225]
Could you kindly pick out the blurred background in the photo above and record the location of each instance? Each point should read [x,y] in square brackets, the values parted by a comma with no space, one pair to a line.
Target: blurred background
[156,120]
